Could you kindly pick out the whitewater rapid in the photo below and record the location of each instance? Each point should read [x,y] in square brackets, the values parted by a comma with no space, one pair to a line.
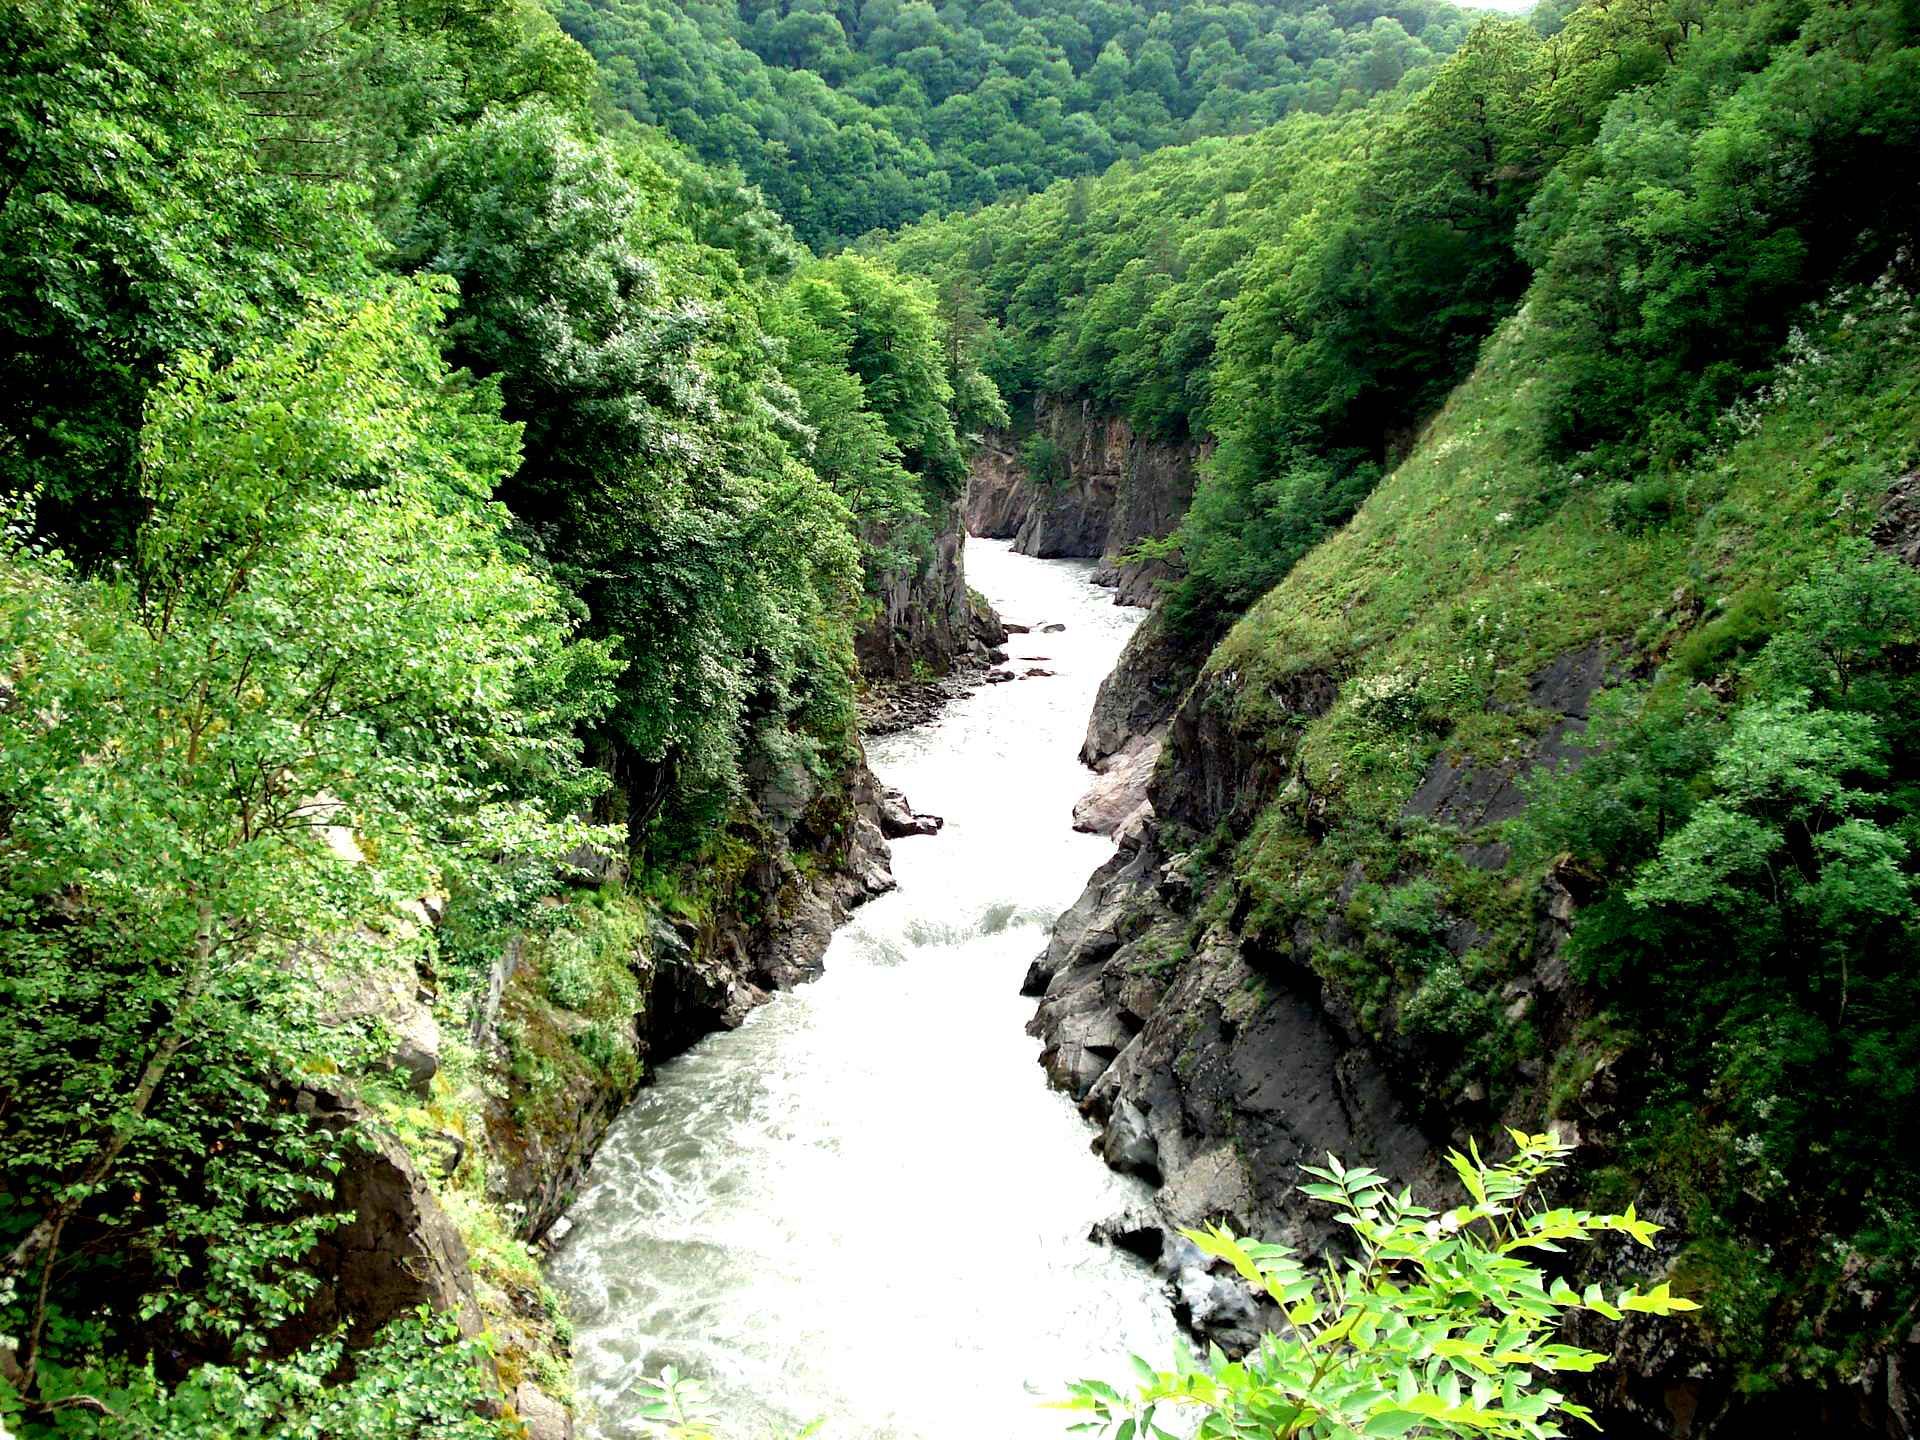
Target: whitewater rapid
[865,1206]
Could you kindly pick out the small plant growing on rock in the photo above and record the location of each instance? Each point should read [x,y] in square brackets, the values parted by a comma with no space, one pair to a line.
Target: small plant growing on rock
[1438,1324]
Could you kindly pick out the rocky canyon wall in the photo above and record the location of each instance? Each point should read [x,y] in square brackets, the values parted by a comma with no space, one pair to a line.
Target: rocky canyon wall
[757,918]
[1111,489]
[1214,1004]
[1216,1060]
[925,621]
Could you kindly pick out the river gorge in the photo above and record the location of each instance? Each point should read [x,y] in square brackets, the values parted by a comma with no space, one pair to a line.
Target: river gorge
[813,1212]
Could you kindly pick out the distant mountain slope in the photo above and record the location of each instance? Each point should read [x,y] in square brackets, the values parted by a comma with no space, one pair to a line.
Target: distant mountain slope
[855,117]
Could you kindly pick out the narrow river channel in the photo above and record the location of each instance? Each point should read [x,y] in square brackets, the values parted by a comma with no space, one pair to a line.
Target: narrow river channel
[865,1206]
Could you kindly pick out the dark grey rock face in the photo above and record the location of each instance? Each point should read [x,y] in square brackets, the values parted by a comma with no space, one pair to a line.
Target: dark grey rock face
[701,978]
[1140,694]
[1210,1077]
[397,1253]
[1896,529]
[1215,1061]
[1221,771]
[925,619]
[1221,1076]
[898,818]
[997,492]
[1115,489]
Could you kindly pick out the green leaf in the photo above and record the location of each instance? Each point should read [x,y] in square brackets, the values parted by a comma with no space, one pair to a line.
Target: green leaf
[1392,1422]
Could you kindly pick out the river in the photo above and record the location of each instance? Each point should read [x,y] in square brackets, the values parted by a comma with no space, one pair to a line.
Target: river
[865,1206]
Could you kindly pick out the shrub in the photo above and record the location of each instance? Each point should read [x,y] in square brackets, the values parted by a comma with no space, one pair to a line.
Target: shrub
[1435,1325]
[1045,464]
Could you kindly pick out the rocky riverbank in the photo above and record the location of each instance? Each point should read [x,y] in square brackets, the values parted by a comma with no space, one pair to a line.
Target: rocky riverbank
[1284,958]
[752,919]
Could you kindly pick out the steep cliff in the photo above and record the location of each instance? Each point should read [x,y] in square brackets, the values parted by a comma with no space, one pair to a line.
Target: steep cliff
[1330,931]
[925,622]
[1107,489]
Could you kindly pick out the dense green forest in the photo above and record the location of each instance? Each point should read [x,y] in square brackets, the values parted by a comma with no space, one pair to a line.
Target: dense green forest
[436,465]
[856,117]
[1310,294]
[388,454]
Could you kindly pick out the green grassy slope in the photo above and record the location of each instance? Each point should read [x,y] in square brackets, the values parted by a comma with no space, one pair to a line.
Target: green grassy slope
[1474,568]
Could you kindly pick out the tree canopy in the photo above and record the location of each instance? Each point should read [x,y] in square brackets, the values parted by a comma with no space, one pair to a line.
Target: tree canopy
[856,117]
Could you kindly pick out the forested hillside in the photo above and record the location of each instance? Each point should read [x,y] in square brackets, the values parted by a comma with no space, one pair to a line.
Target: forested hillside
[436,539]
[449,507]
[1310,294]
[855,117]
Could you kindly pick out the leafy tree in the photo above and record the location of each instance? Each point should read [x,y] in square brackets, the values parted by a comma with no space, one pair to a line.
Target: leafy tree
[326,685]
[185,177]
[654,483]
[896,345]
[1710,208]
[848,443]
[136,222]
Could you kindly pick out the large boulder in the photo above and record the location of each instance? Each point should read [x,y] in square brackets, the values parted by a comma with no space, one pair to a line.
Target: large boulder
[399,1251]
[898,818]
[1118,796]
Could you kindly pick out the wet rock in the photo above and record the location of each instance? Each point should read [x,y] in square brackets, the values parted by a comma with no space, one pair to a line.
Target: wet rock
[1229,1077]
[1218,1307]
[866,870]
[543,1417]
[792,952]
[1000,677]
[1091,930]
[898,818]
[1138,1230]
[1127,1145]
[888,707]
[983,623]
[1119,792]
